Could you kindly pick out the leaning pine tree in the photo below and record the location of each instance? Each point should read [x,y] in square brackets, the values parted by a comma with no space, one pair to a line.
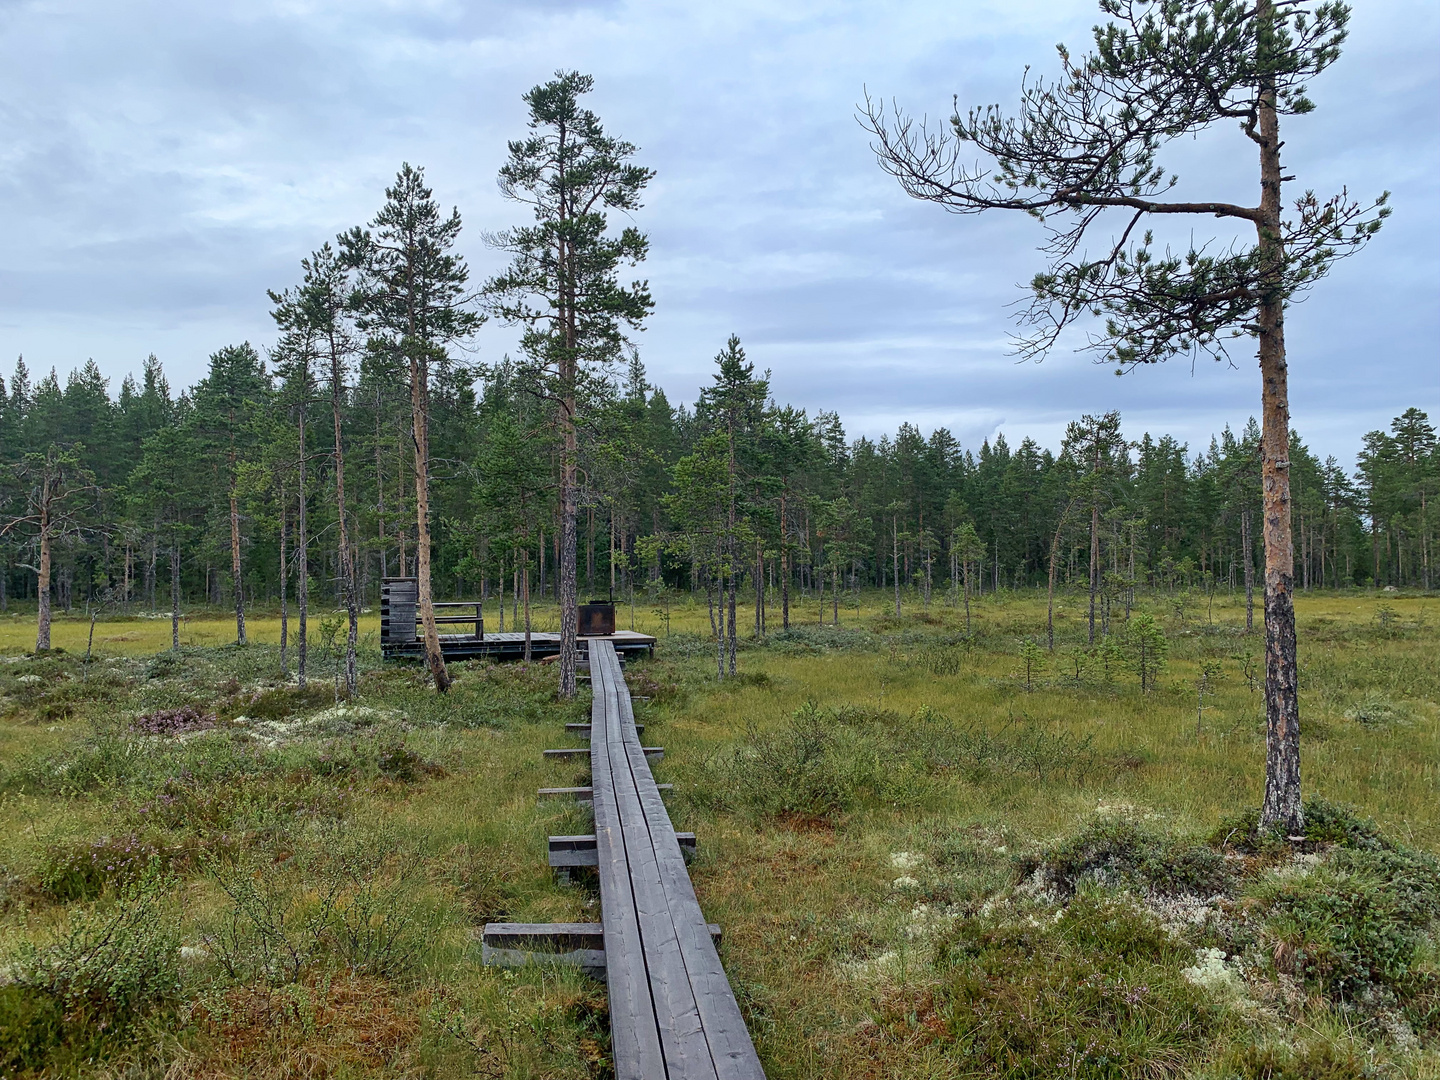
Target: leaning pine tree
[1086,147]
[410,299]
[562,284]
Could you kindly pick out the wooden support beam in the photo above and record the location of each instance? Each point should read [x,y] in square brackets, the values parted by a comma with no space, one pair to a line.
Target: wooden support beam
[579,945]
[569,852]
[584,729]
[653,752]
[585,794]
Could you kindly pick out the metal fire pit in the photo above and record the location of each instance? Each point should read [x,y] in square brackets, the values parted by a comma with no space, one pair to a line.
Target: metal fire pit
[597,619]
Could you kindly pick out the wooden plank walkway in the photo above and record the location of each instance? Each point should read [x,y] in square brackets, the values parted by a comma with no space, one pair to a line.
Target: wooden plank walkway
[673,1015]
[672,1012]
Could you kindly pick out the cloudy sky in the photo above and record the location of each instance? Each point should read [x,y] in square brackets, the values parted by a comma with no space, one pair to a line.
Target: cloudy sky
[162,164]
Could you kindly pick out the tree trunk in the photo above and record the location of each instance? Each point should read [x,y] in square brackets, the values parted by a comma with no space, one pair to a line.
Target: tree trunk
[717,626]
[759,589]
[569,513]
[1094,557]
[42,575]
[302,556]
[235,575]
[1050,595]
[784,585]
[380,493]
[1248,544]
[895,558]
[150,574]
[1281,807]
[347,561]
[420,421]
[525,586]
[174,593]
[284,590]
[730,644]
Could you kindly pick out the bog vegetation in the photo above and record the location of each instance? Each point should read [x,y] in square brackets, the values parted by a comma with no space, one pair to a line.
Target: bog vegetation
[934,851]
[973,738]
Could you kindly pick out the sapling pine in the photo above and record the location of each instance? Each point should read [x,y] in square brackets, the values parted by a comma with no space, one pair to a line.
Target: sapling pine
[1032,663]
[1145,648]
[1211,671]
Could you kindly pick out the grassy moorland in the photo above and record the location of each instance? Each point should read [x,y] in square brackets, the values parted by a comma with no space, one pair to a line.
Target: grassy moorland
[935,853]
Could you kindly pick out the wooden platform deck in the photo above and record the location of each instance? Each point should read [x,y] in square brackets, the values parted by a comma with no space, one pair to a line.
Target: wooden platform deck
[673,1015]
[509,646]
[400,639]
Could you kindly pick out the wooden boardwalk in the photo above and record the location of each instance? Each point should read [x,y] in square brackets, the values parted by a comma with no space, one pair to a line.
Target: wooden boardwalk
[673,1015]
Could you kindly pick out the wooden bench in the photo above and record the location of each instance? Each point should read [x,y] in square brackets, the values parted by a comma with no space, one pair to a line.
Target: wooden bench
[672,1012]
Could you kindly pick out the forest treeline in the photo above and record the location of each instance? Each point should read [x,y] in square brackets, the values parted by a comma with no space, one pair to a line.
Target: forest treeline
[137,490]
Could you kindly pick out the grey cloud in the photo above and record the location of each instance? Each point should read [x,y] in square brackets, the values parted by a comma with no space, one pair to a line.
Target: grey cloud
[161,164]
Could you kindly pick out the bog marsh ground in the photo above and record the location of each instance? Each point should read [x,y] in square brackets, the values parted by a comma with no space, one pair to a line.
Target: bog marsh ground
[927,861]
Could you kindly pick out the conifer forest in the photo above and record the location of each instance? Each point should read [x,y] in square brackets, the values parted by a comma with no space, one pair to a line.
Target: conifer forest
[382,703]
[816,507]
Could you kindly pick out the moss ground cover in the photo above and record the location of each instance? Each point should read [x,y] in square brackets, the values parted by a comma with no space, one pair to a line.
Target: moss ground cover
[934,853]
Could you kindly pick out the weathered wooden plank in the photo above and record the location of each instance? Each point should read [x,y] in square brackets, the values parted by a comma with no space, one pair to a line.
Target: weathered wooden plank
[584,729]
[579,945]
[558,936]
[586,842]
[635,1038]
[687,1054]
[539,936]
[732,1051]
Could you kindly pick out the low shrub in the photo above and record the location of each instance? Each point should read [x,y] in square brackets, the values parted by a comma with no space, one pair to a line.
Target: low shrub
[282,702]
[87,870]
[1288,1062]
[340,906]
[814,765]
[1325,823]
[1124,854]
[1352,927]
[488,695]
[1094,994]
[110,965]
[824,762]
[32,1027]
[1377,712]
[800,640]
[1019,747]
[145,769]
[181,721]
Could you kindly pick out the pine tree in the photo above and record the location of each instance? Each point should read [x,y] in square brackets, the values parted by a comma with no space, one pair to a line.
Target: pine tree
[563,285]
[228,401]
[410,297]
[316,316]
[1088,143]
